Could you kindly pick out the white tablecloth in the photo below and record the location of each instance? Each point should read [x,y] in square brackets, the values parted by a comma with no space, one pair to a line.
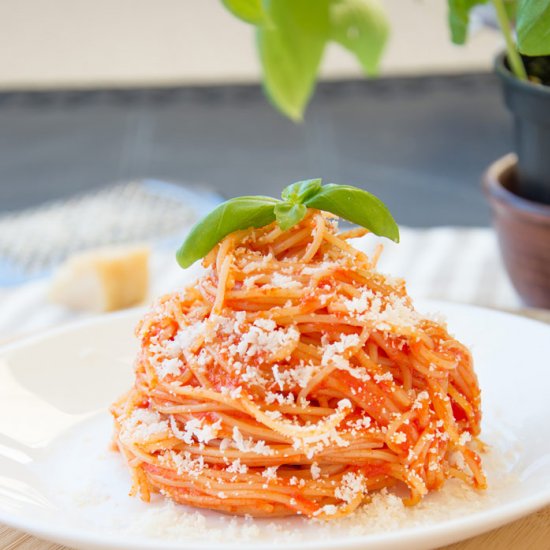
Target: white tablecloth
[457,264]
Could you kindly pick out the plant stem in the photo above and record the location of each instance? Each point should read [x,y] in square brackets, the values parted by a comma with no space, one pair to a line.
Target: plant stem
[516,63]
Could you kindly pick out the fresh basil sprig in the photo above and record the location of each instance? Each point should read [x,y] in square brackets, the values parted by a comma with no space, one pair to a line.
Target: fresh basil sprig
[347,202]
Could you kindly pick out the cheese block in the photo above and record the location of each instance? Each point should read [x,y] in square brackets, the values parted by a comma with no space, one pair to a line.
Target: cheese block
[104,279]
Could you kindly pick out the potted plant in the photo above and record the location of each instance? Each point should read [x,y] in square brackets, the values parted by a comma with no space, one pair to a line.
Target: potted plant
[292,35]
[518,186]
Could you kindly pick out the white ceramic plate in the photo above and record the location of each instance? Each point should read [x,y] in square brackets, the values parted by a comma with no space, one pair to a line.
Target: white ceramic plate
[59,481]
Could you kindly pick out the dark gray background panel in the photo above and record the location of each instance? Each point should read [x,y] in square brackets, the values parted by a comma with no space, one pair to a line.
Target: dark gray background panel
[420,143]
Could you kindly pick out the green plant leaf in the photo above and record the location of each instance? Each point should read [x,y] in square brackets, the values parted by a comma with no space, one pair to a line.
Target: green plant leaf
[357,206]
[288,214]
[511,7]
[249,11]
[232,215]
[290,50]
[361,27]
[533,27]
[301,190]
[459,18]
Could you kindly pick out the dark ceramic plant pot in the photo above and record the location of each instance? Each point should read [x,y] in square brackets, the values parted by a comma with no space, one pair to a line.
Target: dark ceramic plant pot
[523,228]
[530,106]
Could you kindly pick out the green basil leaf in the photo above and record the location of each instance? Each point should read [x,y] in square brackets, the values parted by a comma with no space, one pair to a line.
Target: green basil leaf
[459,18]
[290,50]
[249,11]
[232,215]
[533,27]
[361,27]
[357,206]
[301,190]
[288,214]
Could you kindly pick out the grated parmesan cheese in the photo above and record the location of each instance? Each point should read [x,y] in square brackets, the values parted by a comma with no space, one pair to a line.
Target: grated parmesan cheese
[386,377]
[399,437]
[279,280]
[249,445]
[352,485]
[185,338]
[282,399]
[264,336]
[270,472]
[141,425]
[237,468]
[361,423]
[168,367]
[297,376]
[333,353]
[383,312]
[315,471]
[196,429]
[185,464]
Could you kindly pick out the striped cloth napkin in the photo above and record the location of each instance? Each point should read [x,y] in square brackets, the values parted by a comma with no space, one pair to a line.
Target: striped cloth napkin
[445,263]
[449,263]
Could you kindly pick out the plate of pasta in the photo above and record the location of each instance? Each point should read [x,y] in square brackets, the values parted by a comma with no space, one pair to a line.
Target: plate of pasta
[287,393]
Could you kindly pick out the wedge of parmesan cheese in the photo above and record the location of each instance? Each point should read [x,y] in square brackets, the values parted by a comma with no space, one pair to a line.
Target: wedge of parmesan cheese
[103,279]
